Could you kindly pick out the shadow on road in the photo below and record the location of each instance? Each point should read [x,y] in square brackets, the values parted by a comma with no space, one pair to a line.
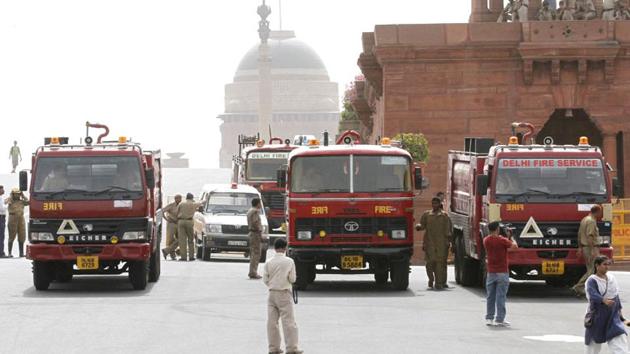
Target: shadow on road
[90,286]
[352,289]
[532,290]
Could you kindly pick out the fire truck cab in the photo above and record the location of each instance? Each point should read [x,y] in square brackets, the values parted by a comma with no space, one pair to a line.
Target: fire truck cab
[540,192]
[350,210]
[95,209]
[257,166]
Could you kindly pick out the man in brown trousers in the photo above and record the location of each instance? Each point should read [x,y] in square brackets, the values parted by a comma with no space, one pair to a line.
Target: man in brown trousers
[185,212]
[588,235]
[438,237]
[170,215]
[17,226]
[279,276]
[254,225]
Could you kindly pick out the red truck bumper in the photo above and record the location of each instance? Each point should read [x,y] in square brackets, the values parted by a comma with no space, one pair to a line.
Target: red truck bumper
[119,252]
[535,256]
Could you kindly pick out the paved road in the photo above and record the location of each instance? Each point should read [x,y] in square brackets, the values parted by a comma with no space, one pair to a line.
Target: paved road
[212,307]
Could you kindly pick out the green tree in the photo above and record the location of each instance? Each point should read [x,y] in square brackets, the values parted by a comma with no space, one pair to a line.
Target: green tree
[348,112]
[416,144]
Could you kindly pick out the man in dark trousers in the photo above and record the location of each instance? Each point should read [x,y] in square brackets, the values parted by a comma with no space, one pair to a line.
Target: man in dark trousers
[279,277]
[254,225]
[438,237]
[498,277]
[3,222]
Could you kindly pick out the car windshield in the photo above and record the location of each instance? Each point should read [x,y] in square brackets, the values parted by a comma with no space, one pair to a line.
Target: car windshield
[361,173]
[230,203]
[88,177]
[551,180]
[263,166]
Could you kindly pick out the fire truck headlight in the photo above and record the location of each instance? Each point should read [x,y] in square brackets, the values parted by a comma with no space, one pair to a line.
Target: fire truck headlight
[304,235]
[322,234]
[134,235]
[213,229]
[42,236]
[399,234]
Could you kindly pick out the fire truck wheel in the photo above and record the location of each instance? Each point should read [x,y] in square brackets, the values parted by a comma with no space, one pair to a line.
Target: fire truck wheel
[381,277]
[206,254]
[63,273]
[42,275]
[139,274]
[400,275]
[302,270]
[154,267]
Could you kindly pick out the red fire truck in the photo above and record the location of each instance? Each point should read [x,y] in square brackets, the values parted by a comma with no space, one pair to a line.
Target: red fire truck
[95,209]
[541,192]
[257,166]
[350,210]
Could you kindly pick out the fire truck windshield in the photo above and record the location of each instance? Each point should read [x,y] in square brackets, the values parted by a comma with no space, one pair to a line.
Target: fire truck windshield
[554,180]
[88,177]
[230,203]
[354,174]
[263,166]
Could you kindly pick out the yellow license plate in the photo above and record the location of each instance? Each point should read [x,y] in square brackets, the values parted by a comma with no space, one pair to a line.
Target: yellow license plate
[87,262]
[351,262]
[553,267]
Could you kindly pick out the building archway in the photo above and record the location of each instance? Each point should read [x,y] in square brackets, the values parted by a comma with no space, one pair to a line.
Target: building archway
[566,126]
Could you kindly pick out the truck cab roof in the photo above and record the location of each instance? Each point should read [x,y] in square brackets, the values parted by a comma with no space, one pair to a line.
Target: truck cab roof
[349,149]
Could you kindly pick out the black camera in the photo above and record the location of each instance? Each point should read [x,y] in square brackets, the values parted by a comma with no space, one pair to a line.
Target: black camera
[506,229]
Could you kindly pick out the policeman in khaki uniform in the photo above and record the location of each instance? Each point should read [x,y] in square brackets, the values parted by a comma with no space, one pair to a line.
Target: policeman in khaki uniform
[588,235]
[255,237]
[438,238]
[15,206]
[279,276]
[185,212]
[170,215]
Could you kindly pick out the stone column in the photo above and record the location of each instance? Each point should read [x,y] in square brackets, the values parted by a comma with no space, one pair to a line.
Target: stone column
[478,11]
[610,150]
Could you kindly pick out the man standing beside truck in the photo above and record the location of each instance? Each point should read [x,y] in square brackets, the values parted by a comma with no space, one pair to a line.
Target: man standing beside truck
[185,212]
[170,214]
[588,235]
[437,240]
[254,225]
[17,227]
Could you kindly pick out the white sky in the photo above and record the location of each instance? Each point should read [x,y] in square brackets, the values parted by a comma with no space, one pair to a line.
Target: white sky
[155,70]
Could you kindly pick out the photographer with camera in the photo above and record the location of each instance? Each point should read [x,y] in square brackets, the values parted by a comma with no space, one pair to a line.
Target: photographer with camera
[497,244]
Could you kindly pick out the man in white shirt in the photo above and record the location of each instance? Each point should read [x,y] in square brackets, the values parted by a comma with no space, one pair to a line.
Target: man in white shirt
[279,277]
[3,222]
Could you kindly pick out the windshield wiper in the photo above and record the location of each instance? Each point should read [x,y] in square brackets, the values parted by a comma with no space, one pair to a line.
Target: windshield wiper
[111,189]
[528,192]
[579,194]
[69,190]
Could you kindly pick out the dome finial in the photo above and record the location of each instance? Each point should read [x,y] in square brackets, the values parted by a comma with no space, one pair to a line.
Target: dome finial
[263,25]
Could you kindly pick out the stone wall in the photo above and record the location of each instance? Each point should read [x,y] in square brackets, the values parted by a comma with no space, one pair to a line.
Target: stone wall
[451,81]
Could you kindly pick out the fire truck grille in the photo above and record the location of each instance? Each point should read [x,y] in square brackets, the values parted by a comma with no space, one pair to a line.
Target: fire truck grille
[351,226]
[273,200]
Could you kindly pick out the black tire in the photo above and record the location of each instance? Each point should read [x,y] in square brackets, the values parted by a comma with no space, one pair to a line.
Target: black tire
[459,259]
[302,270]
[263,255]
[42,274]
[400,275]
[312,274]
[200,253]
[483,273]
[63,273]
[381,277]
[206,254]
[155,267]
[139,274]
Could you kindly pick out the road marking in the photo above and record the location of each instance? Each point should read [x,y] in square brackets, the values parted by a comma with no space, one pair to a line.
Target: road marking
[566,338]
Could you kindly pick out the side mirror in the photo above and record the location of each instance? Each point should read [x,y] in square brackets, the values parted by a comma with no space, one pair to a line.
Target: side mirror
[149,175]
[419,182]
[23,181]
[482,184]
[616,185]
[281,178]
